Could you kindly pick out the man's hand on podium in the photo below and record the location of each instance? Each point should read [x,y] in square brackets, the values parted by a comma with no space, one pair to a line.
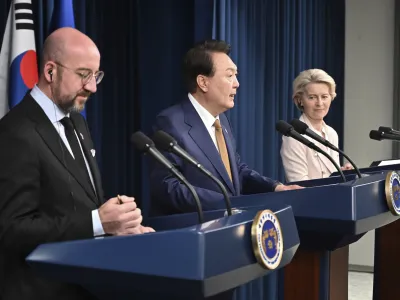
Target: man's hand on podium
[121,216]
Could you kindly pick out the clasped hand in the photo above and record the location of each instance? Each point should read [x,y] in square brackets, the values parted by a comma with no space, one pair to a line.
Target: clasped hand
[121,216]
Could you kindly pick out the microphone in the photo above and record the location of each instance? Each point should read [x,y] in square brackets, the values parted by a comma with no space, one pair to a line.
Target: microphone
[144,144]
[303,128]
[378,135]
[166,142]
[288,130]
[388,130]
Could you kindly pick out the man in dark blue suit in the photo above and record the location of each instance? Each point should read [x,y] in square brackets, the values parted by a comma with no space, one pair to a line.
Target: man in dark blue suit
[201,128]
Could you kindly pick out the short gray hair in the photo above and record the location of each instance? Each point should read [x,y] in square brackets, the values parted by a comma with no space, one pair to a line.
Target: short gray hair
[311,76]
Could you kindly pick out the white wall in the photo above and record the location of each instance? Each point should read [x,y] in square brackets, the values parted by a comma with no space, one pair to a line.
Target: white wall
[368,91]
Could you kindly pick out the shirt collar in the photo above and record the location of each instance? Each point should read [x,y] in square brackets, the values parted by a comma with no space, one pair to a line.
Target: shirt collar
[52,111]
[207,118]
[324,129]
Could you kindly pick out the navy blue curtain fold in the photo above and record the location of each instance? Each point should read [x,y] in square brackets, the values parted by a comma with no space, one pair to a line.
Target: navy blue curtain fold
[142,43]
[334,59]
[165,34]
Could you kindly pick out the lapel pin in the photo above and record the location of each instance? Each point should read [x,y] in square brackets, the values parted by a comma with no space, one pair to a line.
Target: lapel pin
[93,152]
[82,136]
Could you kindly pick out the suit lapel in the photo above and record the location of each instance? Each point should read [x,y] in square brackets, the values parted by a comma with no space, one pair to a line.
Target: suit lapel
[201,137]
[79,127]
[53,140]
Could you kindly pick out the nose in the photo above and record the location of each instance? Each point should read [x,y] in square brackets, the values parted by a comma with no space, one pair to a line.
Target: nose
[91,86]
[236,83]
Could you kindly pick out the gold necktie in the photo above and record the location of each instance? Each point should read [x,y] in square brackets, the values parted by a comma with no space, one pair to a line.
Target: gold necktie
[223,151]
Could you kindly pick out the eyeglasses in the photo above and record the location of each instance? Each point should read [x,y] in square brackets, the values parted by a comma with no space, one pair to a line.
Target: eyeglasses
[85,74]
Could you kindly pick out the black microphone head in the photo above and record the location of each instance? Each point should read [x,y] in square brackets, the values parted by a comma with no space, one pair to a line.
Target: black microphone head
[299,126]
[283,127]
[385,129]
[375,135]
[141,141]
[164,141]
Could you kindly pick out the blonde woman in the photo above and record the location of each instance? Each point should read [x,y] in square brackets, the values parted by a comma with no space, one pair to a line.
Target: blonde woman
[313,93]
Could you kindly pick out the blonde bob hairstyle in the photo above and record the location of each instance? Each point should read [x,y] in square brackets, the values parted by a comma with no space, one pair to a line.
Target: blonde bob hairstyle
[311,76]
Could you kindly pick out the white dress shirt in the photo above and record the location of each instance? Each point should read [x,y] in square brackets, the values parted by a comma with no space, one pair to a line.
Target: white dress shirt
[207,118]
[55,114]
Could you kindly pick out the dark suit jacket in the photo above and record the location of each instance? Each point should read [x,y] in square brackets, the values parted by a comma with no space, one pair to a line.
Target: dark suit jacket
[43,198]
[168,195]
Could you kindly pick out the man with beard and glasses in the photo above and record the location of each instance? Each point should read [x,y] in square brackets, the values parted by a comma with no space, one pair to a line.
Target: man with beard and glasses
[50,187]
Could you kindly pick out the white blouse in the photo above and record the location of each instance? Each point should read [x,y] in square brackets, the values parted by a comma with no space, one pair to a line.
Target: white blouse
[303,163]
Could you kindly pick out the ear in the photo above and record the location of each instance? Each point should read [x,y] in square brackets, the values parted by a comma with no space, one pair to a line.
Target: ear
[202,82]
[298,102]
[49,71]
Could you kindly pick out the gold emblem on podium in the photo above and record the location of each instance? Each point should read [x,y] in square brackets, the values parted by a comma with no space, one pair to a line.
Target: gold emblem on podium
[392,191]
[267,239]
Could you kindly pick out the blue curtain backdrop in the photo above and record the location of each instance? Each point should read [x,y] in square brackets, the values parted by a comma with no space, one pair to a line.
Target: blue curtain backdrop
[142,43]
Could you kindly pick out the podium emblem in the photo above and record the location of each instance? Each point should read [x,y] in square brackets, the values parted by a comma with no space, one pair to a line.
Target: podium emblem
[267,239]
[392,191]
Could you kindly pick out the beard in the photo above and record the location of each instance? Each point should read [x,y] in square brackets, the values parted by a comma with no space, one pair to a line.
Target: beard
[70,103]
